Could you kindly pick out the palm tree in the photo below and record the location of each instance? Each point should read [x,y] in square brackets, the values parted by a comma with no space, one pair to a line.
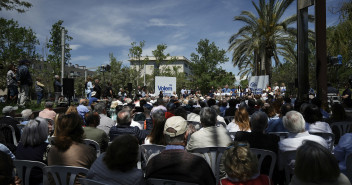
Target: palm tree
[258,40]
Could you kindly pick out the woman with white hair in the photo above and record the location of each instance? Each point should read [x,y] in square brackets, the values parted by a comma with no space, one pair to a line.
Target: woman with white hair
[33,145]
[27,114]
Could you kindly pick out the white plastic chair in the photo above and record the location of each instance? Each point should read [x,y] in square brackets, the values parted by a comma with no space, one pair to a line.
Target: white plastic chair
[261,154]
[213,156]
[85,181]
[153,181]
[13,133]
[24,168]
[329,137]
[93,144]
[147,150]
[63,175]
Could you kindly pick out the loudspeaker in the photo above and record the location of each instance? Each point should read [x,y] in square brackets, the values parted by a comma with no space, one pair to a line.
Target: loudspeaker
[129,87]
[68,86]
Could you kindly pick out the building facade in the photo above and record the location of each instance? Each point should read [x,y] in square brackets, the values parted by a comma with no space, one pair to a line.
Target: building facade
[181,63]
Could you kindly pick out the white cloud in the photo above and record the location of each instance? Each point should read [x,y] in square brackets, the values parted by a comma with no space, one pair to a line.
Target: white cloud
[80,58]
[75,46]
[162,23]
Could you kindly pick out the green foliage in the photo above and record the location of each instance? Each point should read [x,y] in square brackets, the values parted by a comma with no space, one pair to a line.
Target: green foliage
[136,54]
[244,83]
[54,46]
[16,43]
[256,43]
[16,5]
[206,72]
[339,42]
[159,57]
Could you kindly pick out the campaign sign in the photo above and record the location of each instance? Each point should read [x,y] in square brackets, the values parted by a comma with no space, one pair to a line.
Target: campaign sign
[258,83]
[165,84]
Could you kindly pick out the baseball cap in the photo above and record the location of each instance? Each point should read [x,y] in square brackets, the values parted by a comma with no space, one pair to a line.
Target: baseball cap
[8,109]
[175,122]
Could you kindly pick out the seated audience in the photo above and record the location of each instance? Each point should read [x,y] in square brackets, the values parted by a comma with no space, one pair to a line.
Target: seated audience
[82,108]
[124,127]
[194,116]
[27,114]
[33,146]
[105,122]
[157,136]
[118,164]
[295,124]
[219,117]
[241,167]
[174,163]
[68,148]
[240,122]
[210,135]
[342,149]
[313,118]
[257,138]
[48,111]
[316,165]
[8,119]
[232,108]
[92,132]
[6,171]
[276,125]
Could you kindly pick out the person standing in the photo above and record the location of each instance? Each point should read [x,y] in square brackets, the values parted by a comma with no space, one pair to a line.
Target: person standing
[89,87]
[39,89]
[346,96]
[57,88]
[12,87]
[97,88]
[24,79]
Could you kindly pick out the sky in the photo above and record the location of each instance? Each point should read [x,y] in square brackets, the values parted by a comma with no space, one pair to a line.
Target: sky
[100,27]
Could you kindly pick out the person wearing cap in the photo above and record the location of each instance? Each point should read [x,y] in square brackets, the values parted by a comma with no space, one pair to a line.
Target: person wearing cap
[174,163]
[57,88]
[210,135]
[24,80]
[8,119]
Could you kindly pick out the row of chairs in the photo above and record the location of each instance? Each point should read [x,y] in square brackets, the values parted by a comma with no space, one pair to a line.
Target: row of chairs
[66,175]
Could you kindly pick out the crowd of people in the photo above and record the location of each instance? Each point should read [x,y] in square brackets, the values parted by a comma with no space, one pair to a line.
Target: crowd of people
[120,124]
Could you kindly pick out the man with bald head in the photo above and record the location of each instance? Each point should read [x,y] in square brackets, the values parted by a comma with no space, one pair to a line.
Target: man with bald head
[82,108]
[124,126]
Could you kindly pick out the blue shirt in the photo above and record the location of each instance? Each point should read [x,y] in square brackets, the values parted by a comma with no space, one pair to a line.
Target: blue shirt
[224,90]
[276,125]
[343,149]
[82,110]
[3,148]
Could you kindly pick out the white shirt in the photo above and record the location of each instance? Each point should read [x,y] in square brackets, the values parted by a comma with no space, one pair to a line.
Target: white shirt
[233,127]
[295,140]
[136,124]
[318,127]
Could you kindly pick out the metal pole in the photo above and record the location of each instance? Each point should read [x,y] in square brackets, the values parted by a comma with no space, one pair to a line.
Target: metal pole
[321,60]
[62,57]
[302,49]
[144,74]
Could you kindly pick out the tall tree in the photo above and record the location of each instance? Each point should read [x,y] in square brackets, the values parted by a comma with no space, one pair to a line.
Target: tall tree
[16,43]
[54,46]
[136,54]
[258,40]
[16,5]
[205,70]
[159,57]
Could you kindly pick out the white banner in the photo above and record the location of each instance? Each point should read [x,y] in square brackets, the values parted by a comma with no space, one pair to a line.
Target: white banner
[258,83]
[165,84]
